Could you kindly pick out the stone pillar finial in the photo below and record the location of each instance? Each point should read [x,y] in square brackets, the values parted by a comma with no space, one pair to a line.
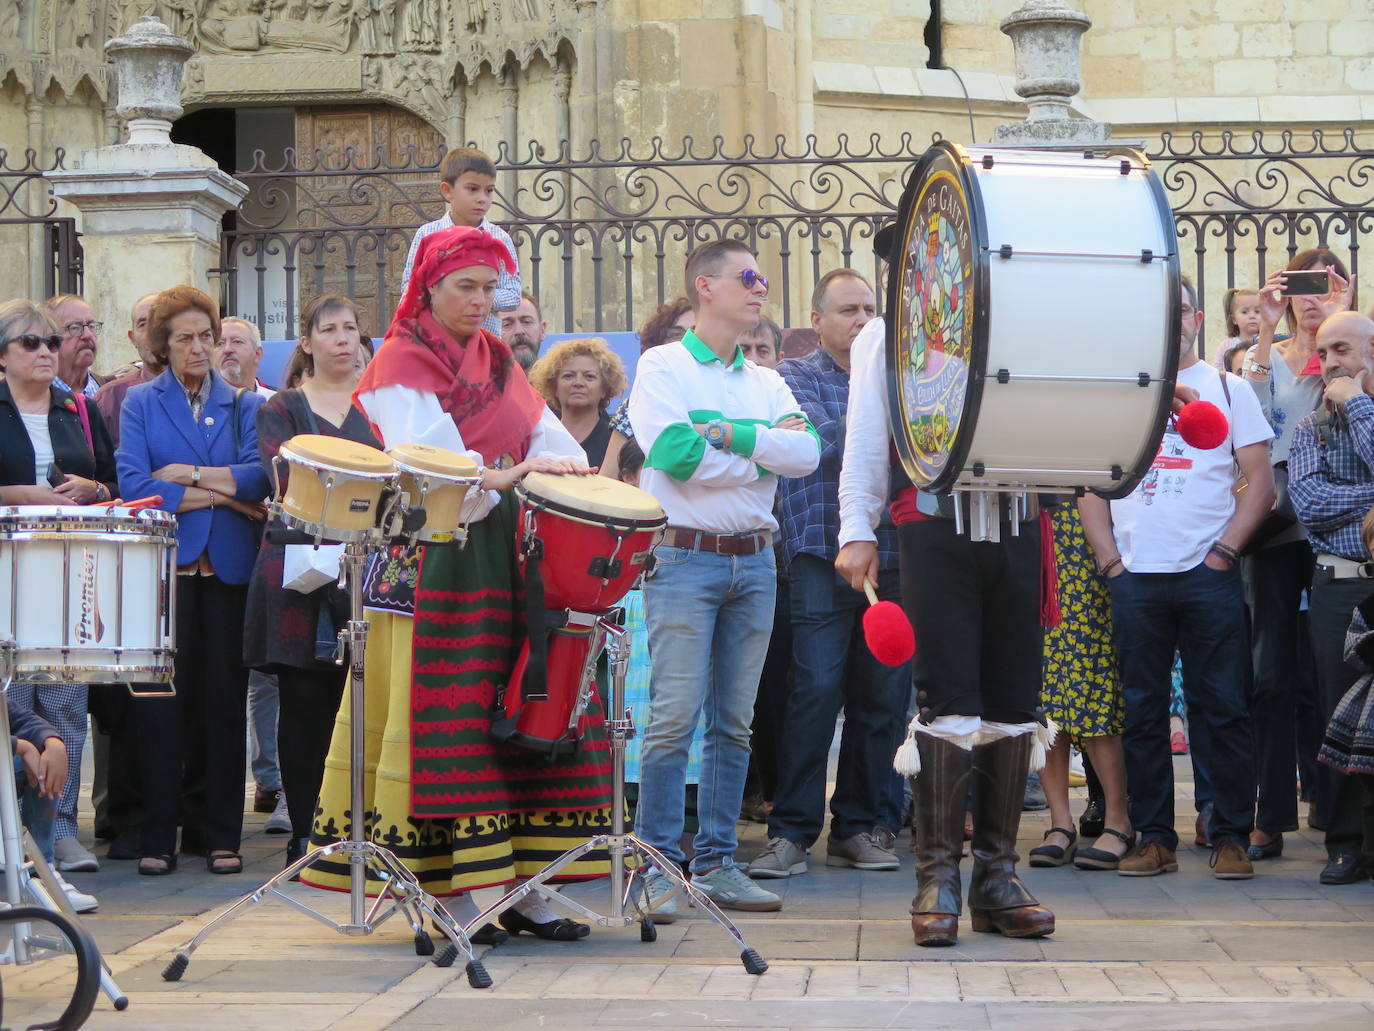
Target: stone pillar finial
[1046,36]
[148,61]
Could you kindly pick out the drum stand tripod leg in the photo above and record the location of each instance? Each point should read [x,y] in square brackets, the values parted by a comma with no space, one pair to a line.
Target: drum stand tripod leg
[397,889]
[626,850]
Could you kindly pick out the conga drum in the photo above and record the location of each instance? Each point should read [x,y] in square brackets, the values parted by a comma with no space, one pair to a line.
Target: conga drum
[583,540]
[1033,327]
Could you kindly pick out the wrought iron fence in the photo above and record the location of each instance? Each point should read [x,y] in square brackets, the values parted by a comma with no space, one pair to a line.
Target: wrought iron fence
[29,224]
[602,235]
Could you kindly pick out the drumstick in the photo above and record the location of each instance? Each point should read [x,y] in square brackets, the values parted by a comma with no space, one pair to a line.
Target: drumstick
[151,501]
[887,631]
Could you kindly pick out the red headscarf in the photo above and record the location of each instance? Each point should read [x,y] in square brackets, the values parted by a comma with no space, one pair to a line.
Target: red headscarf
[477,381]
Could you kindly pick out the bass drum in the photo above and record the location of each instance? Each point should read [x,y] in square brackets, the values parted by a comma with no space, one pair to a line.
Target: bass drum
[1032,341]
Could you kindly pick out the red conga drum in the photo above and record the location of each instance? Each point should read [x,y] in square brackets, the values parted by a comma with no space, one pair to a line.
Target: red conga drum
[583,540]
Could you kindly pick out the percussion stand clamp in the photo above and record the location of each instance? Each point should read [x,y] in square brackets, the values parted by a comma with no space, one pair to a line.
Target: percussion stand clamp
[396,888]
[629,854]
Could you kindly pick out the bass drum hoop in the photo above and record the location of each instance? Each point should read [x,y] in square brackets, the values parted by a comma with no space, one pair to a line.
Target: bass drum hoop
[1150,448]
[943,482]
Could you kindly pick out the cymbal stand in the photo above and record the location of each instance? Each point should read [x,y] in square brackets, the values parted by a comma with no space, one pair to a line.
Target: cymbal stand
[630,855]
[29,881]
[399,891]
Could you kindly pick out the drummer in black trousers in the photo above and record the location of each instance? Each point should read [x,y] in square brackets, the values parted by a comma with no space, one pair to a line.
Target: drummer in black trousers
[975,607]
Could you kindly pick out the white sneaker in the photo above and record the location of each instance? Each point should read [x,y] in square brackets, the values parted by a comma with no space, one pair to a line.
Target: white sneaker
[659,898]
[81,902]
[73,857]
[280,820]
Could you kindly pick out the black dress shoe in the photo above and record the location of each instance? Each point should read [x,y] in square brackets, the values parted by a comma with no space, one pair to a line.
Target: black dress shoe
[295,848]
[561,930]
[1344,868]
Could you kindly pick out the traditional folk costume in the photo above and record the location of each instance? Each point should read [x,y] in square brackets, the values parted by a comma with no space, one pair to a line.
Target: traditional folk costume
[459,810]
[976,610]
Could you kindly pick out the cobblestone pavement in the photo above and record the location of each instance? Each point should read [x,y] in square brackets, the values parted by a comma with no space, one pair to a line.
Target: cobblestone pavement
[1179,951]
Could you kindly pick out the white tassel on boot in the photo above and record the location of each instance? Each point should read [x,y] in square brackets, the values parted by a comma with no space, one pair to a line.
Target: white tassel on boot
[961,730]
[1044,741]
[907,761]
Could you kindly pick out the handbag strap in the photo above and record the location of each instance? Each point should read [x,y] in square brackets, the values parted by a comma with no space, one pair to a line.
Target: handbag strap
[304,414]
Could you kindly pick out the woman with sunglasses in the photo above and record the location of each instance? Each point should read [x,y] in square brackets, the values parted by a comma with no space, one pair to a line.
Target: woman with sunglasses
[54,450]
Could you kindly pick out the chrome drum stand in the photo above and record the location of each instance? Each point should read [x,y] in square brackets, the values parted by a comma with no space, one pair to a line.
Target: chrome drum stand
[32,893]
[397,889]
[629,854]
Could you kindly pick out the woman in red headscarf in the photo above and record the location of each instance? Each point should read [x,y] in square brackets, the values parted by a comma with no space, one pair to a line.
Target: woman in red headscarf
[460,811]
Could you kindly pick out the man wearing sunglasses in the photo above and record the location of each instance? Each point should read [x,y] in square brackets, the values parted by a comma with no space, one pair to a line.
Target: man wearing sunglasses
[716,431]
[80,331]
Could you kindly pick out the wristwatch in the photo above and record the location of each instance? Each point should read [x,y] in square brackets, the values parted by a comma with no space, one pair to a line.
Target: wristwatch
[1256,367]
[715,434]
[195,476]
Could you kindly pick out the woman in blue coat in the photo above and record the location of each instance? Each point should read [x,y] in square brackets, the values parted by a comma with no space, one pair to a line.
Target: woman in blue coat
[191,437]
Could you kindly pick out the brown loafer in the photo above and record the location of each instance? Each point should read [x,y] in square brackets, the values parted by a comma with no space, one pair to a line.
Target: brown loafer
[935,929]
[1017,922]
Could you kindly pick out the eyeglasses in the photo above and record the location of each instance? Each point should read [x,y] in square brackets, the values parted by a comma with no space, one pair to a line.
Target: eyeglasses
[75,328]
[749,277]
[32,342]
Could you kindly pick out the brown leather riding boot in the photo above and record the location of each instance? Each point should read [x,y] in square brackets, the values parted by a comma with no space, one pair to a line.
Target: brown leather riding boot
[938,794]
[997,900]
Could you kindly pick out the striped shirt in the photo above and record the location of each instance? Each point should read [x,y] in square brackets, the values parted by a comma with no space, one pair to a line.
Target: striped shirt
[507,283]
[729,490]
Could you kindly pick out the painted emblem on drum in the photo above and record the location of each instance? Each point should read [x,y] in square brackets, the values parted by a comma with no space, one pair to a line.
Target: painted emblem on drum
[935,323]
[89,626]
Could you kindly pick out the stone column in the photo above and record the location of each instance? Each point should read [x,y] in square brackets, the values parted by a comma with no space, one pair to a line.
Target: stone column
[1046,35]
[150,208]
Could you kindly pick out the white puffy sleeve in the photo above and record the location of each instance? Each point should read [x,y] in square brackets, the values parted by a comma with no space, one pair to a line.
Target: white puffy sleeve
[404,415]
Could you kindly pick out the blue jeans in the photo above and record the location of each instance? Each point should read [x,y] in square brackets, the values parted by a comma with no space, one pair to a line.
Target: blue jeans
[834,668]
[263,707]
[709,618]
[1201,612]
[37,813]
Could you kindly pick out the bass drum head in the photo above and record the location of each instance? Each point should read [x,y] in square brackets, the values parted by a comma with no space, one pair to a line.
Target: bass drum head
[937,325]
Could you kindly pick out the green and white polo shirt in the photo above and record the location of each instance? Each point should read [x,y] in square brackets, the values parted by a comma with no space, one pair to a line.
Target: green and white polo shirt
[699,487]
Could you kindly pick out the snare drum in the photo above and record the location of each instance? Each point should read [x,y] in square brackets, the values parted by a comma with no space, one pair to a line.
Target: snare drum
[592,536]
[1033,337]
[87,594]
[335,485]
[437,480]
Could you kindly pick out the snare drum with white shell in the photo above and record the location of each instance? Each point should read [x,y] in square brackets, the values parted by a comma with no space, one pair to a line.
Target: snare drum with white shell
[436,480]
[87,595]
[335,485]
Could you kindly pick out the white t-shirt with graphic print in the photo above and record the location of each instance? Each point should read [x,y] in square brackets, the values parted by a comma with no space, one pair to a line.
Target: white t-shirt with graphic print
[1168,523]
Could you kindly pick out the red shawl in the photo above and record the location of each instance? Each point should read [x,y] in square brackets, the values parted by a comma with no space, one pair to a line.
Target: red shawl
[477,381]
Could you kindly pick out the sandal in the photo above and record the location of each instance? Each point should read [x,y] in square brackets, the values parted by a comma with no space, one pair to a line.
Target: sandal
[222,860]
[1054,855]
[1100,858]
[147,867]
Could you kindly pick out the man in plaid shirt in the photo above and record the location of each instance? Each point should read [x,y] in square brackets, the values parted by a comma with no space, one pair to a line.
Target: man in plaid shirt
[833,665]
[1331,481]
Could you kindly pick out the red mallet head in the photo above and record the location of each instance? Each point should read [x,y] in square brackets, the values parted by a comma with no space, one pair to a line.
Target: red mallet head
[1202,425]
[888,633]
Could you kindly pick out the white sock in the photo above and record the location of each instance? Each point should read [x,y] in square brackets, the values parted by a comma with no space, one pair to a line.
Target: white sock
[460,908]
[533,907]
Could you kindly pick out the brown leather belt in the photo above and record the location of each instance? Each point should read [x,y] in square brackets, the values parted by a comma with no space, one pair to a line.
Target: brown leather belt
[719,543]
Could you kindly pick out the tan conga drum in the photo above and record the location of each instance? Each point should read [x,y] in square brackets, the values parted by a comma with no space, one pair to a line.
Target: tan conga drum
[436,480]
[335,487]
